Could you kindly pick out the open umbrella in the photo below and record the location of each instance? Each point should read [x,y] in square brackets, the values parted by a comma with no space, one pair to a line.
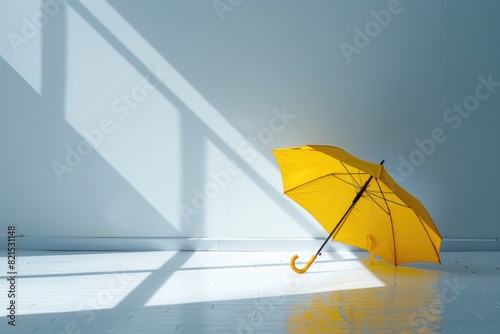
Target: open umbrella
[359,203]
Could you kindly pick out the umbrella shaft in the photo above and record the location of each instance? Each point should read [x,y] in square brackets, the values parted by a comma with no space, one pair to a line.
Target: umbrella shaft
[358,196]
[336,227]
[364,187]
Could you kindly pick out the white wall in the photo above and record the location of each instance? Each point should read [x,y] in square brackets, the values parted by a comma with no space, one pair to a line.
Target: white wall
[203,79]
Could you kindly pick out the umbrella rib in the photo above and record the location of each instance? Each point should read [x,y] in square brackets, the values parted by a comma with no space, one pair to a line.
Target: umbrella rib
[311,181]
[393,240]
[303,184]
[392,222]
[359,174]
[352,184]
[321,177]
[383,196]
[392,225]
[374,201]
[373,193]
[390,201]
[428,236]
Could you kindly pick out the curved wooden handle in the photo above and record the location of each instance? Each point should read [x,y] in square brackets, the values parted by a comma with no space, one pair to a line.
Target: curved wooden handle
[303,270]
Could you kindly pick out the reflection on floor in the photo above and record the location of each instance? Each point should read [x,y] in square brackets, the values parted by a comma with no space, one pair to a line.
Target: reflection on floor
[225,292]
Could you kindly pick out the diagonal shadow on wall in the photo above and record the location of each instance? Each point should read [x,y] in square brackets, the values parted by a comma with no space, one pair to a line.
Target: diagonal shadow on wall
[192,125]
[94,199]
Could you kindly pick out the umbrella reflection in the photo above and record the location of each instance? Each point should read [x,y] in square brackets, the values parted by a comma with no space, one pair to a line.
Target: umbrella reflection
[410,302]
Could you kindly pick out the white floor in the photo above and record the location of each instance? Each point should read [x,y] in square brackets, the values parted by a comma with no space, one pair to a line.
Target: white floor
[228,292]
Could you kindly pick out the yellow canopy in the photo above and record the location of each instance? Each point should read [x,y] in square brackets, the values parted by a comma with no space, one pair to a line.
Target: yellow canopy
[386,219]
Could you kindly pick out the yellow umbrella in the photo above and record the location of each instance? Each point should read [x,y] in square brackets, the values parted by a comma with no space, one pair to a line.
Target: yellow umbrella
[360,203]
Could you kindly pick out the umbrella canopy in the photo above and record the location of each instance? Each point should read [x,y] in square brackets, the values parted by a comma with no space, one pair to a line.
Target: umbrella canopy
[359,203]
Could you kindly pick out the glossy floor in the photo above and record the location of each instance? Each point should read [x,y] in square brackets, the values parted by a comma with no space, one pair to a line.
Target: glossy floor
[226,292]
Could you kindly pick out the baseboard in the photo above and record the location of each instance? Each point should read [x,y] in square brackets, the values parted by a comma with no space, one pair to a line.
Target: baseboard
[215,244]
[459,245]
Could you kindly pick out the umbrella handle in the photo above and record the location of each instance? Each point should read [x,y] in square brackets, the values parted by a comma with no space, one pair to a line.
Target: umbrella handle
[303,270]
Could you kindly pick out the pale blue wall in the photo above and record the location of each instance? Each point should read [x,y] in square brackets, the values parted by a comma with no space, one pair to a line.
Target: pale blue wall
[220,81]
